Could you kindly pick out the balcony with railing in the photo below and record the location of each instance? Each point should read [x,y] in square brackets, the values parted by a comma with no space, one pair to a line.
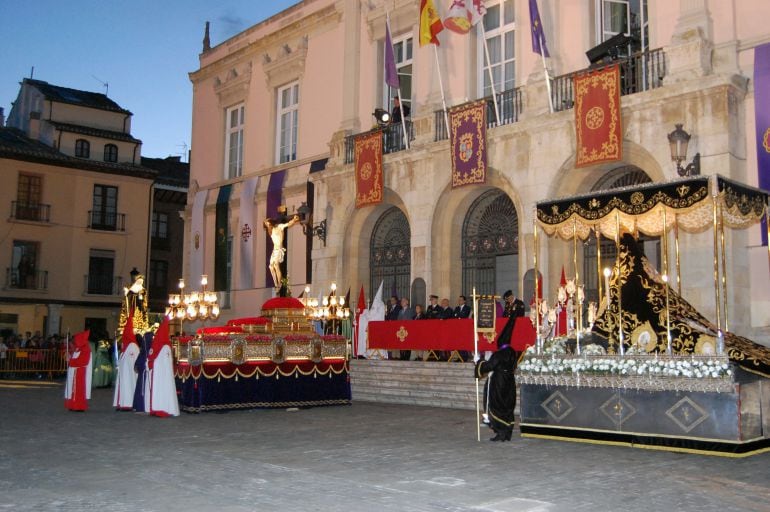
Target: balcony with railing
[16,279]
[106,221]
[392,139]
[508,105]
[640,72]
[102,284]
[34,212]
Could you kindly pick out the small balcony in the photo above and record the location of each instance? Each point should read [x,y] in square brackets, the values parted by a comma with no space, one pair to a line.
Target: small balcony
[34,212]
[26,280]
[508,104]
[640,72]
[102,284]
[106,221]
[392,139]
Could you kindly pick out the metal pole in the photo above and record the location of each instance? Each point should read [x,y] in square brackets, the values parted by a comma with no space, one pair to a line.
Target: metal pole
[441,85]
[476,353]
[537,289]
[619,284]
[724,266]
[717,299]
[547,76]
[489,71]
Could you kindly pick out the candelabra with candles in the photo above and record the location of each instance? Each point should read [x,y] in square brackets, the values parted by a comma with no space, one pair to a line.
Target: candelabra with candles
[197,305]
[332,308]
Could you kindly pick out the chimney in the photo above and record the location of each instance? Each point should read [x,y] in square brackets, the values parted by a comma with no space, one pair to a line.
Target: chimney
[34,126]
[2,117]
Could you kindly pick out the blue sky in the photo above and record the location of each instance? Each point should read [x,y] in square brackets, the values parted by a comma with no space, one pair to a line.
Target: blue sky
[144,49]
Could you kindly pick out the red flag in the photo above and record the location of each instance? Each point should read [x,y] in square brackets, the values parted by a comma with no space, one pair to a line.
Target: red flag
[127,336]
[368,158]
[561,319]
[598,127]
[160,340]
[430,23]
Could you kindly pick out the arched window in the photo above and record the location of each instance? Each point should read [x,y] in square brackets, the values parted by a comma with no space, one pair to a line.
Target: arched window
[625,176]
[110,153]
[391,254]
[491,245]
[82,148]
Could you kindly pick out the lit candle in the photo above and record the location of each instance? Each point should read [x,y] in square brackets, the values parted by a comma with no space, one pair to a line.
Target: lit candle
[607,285]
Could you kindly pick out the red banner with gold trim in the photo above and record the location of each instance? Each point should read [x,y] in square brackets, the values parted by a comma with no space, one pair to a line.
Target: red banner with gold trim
[468,139]
[368,153]
[598,126]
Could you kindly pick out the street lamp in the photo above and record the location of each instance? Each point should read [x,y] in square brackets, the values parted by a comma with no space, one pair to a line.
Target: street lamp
[678,141]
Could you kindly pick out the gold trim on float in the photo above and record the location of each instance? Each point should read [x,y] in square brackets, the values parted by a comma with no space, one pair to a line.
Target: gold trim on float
[651,447]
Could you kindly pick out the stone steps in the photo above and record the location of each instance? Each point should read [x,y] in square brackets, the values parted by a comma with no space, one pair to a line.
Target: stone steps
[428,383]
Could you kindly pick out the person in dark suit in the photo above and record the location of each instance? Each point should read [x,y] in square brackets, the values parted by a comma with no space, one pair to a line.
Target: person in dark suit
[433,310]
[514,307]
[462,310]
[394,308]
[446,310]
[419,314]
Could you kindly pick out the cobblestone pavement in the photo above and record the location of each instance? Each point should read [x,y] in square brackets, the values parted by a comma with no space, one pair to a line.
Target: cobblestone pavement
[366,457]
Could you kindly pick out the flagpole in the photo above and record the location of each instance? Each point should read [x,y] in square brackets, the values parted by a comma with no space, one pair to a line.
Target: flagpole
[400,102]
[441,85]
[489,70]
[545,71]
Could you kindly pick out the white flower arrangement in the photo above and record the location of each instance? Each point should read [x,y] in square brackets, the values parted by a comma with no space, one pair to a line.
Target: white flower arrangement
[601,365]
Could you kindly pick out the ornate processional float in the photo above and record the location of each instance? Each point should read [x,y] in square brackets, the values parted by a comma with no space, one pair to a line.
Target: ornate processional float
[645,367]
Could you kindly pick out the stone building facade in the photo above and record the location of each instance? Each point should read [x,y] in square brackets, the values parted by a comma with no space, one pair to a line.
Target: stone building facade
[289,93]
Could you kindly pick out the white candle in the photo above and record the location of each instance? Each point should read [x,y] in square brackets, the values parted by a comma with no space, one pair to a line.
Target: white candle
[607,285]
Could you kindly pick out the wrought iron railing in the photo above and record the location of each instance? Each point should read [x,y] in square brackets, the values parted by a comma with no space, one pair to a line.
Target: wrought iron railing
[509,106]
[106,221]
[20,279]
[37,212]
[102,284]
[392,139]
[640,72]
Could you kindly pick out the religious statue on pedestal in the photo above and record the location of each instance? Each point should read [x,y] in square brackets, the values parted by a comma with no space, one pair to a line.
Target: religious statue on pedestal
[135,299]
[275,228]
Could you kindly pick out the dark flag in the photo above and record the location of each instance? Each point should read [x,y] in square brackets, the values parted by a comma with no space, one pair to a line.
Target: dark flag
[762,118]
[221,238]
[538,36]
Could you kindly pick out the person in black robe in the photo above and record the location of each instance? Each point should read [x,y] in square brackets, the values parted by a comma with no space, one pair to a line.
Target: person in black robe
[144,342]
[500,391]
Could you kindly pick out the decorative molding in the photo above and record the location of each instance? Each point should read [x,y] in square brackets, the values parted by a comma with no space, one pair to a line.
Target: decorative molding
[287,65]
[235,86]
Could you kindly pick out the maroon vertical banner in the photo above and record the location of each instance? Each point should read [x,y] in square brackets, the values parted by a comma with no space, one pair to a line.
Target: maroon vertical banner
[368,153]
[468,139]
[598,127]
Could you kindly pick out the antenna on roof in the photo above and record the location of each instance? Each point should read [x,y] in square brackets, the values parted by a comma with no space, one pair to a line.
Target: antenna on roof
[32,73]
[185,154]
[104,84]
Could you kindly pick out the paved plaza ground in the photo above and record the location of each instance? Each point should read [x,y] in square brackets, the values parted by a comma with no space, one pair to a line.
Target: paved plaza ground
[366,457]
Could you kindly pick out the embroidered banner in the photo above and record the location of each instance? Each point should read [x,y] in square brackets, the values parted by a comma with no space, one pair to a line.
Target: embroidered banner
[197,236]
[368,153]
[246,217]
[221,252]
[597,117]
[468,139]
[762,118]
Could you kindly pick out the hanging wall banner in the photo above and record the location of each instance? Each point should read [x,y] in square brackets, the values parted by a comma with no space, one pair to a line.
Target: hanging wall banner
[222,235]
[368,153]
[762,117]
[274,194]
[468,139]
[246,219]
[197,235]
[598,126]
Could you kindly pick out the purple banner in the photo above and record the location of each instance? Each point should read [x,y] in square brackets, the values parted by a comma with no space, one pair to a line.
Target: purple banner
[468,139]
[274,190]
[762,116]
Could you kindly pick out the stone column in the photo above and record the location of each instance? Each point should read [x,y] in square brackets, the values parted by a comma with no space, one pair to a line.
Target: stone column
[352,66]
[689,55]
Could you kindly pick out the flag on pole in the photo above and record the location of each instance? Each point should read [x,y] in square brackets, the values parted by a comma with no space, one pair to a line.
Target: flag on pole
[391,73]
[464,14]
[538,36]
[430,23]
